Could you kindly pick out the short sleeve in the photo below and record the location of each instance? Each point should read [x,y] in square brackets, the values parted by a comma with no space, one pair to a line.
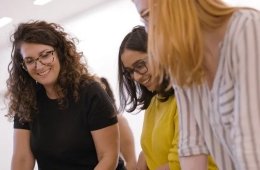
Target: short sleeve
[191,141]
[247,102]
[18,124]
[101,111]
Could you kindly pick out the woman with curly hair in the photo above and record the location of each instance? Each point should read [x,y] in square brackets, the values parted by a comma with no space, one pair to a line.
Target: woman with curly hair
[63,118]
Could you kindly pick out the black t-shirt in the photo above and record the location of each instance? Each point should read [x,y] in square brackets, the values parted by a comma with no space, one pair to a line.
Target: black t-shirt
[61,138]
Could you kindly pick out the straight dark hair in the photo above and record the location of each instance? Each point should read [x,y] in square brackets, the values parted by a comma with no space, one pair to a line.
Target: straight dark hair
[131,93]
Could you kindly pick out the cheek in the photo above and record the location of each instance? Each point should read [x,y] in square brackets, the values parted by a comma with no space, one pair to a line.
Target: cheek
[31,73]
[124,61]
[57,65]
[57,68]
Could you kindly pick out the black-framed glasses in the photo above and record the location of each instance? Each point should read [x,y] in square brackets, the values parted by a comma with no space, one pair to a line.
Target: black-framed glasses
[140,68]
[45,58]
[145,15]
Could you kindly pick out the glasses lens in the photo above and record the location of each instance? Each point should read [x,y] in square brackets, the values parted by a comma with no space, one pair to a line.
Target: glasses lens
[47,58]
[145,16]
[141,68]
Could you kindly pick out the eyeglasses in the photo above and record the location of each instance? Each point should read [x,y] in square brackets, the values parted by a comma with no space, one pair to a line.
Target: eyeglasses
[140,68]
[45,58]
[145,16]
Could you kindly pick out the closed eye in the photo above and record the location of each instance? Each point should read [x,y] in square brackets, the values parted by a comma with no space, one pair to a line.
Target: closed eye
[45,55]
[139,64]
[29,61]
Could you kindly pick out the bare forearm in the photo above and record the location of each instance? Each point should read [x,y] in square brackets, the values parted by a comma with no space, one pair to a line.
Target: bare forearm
[127,145]
[197,162]
[22,164]
[141,163]
[164,167]
[107,146]
[129,157]
[107,163]
[131,164]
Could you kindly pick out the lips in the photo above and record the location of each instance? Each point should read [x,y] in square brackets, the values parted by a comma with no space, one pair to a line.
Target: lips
[146,82]
[43,73]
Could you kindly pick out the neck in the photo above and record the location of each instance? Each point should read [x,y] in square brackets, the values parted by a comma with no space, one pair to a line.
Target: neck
[212,41]
[51,92]
[214,36]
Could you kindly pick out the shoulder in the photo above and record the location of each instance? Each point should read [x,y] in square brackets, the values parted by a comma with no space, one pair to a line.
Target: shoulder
[247,13]
[92,93]
[91,87]
[242,17]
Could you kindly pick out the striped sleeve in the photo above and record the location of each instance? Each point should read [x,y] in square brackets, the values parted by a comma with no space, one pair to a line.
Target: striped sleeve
[191,141]
[246,134]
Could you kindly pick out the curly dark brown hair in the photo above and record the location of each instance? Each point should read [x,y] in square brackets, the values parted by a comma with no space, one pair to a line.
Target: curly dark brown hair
[22,89]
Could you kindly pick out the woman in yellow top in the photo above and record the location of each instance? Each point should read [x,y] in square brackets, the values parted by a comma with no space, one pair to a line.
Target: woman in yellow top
[138,90]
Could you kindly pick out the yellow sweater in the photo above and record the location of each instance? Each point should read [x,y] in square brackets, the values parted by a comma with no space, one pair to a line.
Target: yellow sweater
[159,139]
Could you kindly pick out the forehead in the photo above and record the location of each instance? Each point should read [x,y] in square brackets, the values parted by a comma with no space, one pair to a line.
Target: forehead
[141,5]
[130,57]
[33,49]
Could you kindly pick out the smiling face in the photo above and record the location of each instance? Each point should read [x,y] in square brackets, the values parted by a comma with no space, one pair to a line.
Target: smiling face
[41,62]
[136,67]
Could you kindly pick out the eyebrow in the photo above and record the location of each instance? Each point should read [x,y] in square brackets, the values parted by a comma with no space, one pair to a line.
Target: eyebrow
[39,54]
[135,63]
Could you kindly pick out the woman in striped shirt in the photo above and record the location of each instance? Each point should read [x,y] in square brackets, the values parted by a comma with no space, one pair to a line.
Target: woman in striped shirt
[212,53]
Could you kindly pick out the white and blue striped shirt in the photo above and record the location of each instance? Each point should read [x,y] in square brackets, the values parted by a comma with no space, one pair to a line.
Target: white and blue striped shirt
[225,121]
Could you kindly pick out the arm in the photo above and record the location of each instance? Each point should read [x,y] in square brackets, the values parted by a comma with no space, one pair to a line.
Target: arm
[22,158]
[127,146]
[247,96]
[141,163]
[163,167]
[196,162]
[107,145]
[192,147]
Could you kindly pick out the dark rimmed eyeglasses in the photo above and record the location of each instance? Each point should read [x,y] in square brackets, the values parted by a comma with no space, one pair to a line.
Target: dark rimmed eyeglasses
[140,68]
[45,58]
[145,15]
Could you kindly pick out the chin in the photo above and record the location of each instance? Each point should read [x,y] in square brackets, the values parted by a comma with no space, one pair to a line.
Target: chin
[46,84]
[151,89]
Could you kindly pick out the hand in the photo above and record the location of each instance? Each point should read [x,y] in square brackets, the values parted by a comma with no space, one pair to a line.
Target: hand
[164,167]
[130,166]
[141,163]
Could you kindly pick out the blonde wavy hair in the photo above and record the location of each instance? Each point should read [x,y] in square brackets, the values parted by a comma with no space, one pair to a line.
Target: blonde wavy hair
[175,36]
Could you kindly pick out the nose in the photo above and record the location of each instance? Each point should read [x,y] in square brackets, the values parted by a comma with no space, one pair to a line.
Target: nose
[40,65]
